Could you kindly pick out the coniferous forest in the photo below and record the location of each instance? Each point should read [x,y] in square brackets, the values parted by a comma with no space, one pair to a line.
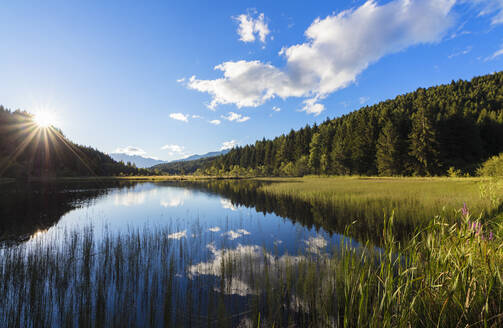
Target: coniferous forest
[447,129]
[27,150]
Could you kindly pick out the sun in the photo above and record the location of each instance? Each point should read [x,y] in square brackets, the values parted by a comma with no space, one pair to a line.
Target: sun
[44,119]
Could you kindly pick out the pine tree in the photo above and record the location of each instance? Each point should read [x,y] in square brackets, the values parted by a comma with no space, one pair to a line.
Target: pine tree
[388,151]
[424,143]
[340,156]
[315,154]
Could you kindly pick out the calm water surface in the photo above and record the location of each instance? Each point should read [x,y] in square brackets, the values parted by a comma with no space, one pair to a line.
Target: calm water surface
[199,223]
[189,212]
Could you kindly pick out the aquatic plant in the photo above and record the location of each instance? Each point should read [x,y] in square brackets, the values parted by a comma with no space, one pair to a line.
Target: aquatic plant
[446,275]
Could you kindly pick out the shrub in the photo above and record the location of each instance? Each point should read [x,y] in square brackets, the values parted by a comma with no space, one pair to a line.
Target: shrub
[493,167]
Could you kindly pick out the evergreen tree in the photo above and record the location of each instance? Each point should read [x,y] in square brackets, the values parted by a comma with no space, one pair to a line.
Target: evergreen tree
[423,143]
[340,156]
[315,153]
[388,151]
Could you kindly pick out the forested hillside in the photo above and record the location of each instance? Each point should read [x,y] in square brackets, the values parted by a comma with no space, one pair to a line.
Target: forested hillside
[29,150]
[426,132]
[190,164]
[184,167]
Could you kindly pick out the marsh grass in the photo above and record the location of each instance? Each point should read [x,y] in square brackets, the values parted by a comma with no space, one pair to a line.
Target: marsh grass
[449,274]
[366,200]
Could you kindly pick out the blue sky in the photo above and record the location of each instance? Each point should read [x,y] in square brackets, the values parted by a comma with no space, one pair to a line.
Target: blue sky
[170,79]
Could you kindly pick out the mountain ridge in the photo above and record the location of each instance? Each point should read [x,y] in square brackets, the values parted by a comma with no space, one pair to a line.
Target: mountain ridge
[147,162]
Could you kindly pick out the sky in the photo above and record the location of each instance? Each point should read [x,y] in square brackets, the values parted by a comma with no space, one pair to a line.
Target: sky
[169,79]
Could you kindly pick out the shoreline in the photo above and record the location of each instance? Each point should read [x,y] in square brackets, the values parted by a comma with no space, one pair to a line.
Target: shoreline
[261,178]
[117,178]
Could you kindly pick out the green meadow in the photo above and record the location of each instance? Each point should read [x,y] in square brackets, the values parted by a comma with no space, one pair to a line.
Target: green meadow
[367,201]
[423,197]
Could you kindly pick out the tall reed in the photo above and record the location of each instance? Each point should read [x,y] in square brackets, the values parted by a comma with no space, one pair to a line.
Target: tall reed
[449,274]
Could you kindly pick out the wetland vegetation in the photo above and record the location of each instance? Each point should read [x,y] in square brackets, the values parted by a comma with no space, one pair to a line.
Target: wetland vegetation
[191,269]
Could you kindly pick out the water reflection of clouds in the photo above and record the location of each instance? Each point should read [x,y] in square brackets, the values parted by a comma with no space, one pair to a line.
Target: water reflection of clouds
[227,204]
[178,235]
[231,234]
[315,244]
[175,198]
[172,202]
[132,197]
[251,256]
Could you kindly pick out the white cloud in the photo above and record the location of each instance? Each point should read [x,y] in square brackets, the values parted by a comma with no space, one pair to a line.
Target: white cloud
[245,84]
[338,48]
[250,27]
[130,150]
[215,122]
[173,148]
[181,80]
[489,7]
[460,53]
[363,100]
[197,116]
[214,229]
[179,117]
[134,151]
[276,109]
[312,107]
[495,54]
[228,144]
[236,117]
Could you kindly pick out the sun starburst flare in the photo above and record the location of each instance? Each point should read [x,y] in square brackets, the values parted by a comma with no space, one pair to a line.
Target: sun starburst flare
[44,119]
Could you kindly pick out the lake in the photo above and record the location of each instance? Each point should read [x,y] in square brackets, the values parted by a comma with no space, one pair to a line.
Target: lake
[104,253]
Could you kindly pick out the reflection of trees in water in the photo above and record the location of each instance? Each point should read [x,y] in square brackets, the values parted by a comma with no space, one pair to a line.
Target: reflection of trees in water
[26,208]
[332,218]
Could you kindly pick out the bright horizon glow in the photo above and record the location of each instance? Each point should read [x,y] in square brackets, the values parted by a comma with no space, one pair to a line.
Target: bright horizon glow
[44,119]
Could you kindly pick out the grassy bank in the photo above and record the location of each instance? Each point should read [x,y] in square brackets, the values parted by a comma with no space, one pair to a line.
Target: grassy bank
[414,200]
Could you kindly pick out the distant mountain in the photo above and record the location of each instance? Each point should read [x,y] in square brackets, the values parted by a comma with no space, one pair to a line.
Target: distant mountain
[210,154]
[146,162]
[189,164]
[139,161]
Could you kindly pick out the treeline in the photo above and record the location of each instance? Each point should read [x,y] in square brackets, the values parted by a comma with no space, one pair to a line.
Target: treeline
[27,150]
[183,167]
[447,128]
